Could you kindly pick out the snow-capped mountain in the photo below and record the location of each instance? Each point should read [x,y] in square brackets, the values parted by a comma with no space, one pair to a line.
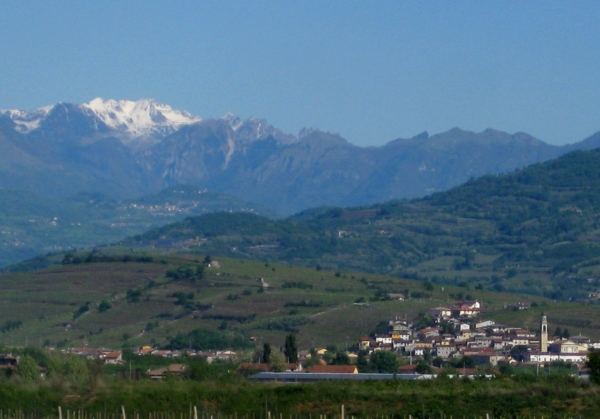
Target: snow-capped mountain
[127,148]
[143,123]
[26,121]
[133,122]
[142,118]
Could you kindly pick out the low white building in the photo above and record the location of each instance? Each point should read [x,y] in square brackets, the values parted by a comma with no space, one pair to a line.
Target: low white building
[387,339]
[551,357]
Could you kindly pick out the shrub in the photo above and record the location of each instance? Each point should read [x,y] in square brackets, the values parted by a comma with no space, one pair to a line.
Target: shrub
[133,296]
[104,306]
[10,325]
[83,309]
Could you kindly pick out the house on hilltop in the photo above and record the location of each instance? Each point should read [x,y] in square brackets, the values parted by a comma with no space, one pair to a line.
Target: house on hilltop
[8,362]
[173,369]
[115,357]
[440,313]
[466,309]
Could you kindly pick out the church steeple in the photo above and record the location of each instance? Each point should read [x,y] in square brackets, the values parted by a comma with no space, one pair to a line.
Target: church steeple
[544,334]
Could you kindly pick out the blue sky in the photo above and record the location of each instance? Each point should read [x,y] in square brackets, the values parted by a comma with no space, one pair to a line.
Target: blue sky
[371,71]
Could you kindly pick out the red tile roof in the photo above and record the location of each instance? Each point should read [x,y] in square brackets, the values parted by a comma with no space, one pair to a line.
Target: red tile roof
[334,369]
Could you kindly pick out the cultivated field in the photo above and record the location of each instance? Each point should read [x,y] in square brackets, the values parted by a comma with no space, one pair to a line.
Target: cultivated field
[60,306]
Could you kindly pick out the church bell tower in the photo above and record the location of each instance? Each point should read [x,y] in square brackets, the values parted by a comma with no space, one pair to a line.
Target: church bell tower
[544,334]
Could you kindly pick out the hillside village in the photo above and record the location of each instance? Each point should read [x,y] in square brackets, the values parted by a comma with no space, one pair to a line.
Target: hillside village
[458,331]
[439,338]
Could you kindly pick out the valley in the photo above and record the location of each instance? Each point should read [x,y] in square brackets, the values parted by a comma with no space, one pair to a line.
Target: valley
[32,225]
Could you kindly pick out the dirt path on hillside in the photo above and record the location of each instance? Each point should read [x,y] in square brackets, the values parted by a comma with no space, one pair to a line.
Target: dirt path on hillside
[327,311]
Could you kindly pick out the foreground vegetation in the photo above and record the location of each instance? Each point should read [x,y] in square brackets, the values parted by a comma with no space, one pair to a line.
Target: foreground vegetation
[89,388]
[218,391]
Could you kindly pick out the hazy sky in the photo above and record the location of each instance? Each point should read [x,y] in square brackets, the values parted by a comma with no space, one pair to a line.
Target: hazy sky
[372,71]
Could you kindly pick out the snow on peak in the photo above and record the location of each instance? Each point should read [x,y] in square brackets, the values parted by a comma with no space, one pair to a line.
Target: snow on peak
[234,121]
[26,121]
[144,117]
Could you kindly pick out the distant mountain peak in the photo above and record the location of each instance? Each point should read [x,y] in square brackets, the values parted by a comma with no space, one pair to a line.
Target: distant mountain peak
[139,118]
[144,117]
[27,121]
[422,136]
[255,129]
[233,121]
[305,132]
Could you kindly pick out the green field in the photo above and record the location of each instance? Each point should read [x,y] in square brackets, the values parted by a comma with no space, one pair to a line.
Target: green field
[320,306]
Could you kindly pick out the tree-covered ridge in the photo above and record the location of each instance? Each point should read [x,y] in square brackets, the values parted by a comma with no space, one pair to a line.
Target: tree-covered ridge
[534,230]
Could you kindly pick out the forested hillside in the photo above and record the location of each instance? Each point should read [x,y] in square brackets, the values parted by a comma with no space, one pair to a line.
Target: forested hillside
[534,230]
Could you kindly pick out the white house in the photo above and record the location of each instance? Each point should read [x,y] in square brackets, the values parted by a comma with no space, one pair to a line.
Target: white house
[440,313]
[484,323]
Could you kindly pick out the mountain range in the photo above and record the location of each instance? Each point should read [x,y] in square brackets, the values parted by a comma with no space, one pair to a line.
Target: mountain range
[127,149]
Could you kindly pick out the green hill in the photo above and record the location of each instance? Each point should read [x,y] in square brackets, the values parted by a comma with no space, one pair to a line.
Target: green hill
[121,298]
[531,235]
[533,231]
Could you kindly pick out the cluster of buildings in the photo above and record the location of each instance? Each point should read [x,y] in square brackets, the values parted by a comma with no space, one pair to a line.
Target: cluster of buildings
[110,356]
[209,356]
[446,333]
[458,331]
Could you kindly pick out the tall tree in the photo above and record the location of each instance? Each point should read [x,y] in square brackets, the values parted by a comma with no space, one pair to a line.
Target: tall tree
[593,363]
[362,362]
[384,362]
[27,368]
[341,358]
[199,272]
[277,363]
[291,350]
[266,353]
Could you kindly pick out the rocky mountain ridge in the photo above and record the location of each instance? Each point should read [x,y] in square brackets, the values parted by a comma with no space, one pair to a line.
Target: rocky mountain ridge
[127,148]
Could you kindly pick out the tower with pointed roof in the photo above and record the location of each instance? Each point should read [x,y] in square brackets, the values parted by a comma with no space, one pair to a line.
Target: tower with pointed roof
[544,334]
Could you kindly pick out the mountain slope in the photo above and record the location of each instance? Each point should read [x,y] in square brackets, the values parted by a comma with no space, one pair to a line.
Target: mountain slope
[324,169]
[536,231]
